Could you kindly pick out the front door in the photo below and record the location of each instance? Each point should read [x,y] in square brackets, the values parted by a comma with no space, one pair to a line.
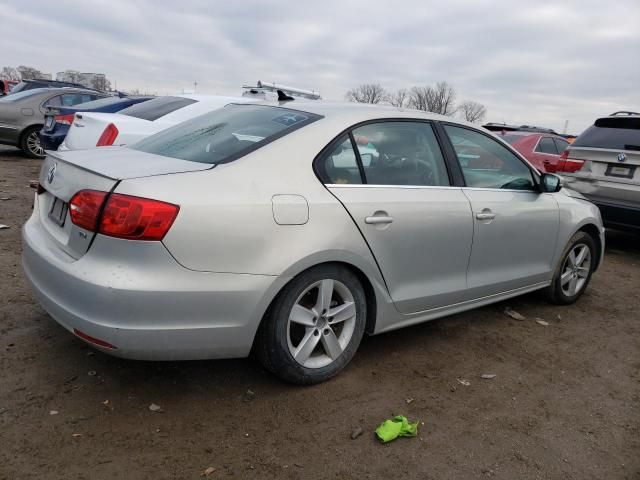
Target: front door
[515,228]
[418,227]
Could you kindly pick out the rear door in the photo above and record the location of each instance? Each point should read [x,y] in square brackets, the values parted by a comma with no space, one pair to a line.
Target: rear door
[392,178]
[514,226]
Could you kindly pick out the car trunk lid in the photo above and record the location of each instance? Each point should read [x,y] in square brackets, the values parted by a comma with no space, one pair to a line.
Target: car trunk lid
[64,174]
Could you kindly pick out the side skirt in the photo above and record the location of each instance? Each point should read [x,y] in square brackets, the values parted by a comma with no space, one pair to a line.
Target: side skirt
[439,312]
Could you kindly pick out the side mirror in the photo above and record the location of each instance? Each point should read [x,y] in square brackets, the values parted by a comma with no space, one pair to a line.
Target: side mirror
[550,183]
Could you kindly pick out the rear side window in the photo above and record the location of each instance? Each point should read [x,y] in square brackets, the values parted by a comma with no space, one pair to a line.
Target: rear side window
[561,145]
[156,108]
[340,165]
[400,153]
[226,134]
[546,145]
[617,133]
[71,99]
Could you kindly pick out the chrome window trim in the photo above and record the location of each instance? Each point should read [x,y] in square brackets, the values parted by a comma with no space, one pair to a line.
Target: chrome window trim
[429,187]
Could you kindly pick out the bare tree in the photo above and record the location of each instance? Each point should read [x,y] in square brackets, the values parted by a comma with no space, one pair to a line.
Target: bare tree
[29,73]
[472,111]
[399,98]
[100,82]
[419,98]
[439,99]
[443,99]
[366,93]
[10,73]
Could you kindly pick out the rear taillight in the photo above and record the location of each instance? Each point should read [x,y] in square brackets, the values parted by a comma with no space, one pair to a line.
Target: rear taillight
[567,164]
[123,216]
[64,119]
[84,208]
[136,218]
[108,136]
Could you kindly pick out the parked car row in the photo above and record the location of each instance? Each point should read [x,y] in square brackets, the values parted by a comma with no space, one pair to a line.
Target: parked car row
[22,114]
[290,228]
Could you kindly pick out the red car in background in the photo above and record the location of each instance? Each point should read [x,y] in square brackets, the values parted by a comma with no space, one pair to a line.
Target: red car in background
[6,85]
[543,150]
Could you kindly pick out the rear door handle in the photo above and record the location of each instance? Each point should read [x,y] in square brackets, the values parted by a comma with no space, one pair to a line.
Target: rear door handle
[378,219]
[485,216]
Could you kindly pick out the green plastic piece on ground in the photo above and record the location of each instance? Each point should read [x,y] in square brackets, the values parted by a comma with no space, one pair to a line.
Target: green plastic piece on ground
[396,427]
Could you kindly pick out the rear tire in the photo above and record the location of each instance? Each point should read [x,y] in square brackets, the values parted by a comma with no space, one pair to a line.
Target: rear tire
[30,143]
[314,326]
[573,274]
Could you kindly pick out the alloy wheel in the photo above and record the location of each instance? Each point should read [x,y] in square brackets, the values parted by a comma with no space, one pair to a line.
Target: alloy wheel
[575,271]
[33,144]
[321,323]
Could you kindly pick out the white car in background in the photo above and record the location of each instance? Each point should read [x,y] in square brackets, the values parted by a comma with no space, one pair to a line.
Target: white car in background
[90,130]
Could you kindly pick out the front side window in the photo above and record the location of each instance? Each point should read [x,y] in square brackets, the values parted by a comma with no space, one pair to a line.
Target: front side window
[226,134]
[486,163]
[400,153]
[546,145]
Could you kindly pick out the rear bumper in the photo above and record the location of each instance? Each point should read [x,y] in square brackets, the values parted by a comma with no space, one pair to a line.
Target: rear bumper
[52,140]
[134,296]
[619,202]
[619,216]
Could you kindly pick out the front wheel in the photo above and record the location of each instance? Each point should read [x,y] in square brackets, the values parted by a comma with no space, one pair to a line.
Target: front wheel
[30,143]
[314,327]
[574,272]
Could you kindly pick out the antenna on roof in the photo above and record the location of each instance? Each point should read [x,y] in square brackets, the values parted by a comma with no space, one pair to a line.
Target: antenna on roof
[283,97]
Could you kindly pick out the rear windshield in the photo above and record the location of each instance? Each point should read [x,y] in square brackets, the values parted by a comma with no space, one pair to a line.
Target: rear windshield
[511,139]
[614,133]
[14,97]
[226,134]
[156,108]
[102,102]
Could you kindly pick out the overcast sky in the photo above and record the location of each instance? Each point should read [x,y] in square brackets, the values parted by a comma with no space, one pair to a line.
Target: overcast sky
[538,64]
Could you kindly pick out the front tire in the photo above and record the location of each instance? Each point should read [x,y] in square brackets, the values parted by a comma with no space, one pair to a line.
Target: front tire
[574,271]
[314,327]
[30,143]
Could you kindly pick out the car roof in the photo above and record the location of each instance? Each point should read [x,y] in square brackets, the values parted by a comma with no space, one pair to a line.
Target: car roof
[361,112]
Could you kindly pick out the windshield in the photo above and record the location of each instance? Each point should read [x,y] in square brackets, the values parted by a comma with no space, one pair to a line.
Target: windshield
[511,139]
[226,134]
[102,102]
[156,108]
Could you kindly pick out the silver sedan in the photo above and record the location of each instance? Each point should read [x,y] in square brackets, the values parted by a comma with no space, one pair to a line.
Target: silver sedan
[292,230]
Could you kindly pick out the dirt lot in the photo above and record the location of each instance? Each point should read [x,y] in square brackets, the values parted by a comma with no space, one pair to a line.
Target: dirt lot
[565,402]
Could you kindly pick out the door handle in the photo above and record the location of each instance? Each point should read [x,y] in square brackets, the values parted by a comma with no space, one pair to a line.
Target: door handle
[378,219]
[485,216]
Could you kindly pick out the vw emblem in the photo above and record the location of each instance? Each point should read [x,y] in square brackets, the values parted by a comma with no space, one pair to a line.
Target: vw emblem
[622,157]
[52,172]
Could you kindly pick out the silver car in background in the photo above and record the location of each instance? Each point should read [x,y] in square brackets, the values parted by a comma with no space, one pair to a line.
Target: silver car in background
[604,165]
[22,114]
[292,230]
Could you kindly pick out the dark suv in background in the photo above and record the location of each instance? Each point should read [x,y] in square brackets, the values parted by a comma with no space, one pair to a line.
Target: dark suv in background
[604,165]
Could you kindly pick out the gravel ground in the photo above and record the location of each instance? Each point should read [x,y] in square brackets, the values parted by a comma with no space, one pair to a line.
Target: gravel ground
[564,404]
